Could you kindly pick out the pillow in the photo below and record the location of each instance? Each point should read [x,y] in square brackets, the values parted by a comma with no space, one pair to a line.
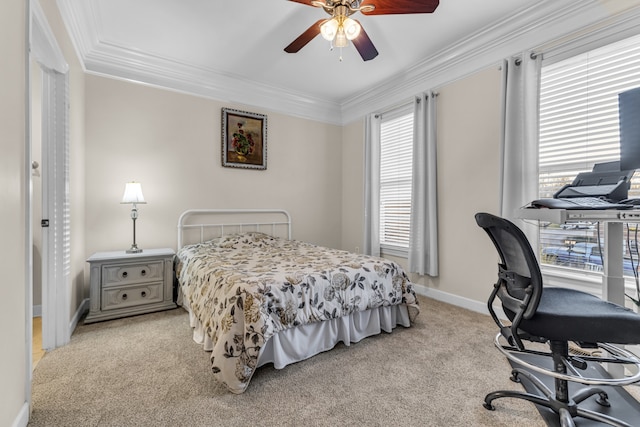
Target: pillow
[251,239]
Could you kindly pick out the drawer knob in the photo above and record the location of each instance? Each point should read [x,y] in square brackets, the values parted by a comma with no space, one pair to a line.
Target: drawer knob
[143,294]
[125,274]
[143,272]
[124,297]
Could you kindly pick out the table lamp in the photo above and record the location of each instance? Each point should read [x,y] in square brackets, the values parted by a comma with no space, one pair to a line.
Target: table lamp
[133,195]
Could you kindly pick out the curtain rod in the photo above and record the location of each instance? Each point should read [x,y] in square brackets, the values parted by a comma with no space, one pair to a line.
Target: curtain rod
[533,55]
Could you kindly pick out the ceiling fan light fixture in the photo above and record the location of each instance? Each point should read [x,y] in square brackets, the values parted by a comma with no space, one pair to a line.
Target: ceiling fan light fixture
[351,28]
[329,29]
[341,38]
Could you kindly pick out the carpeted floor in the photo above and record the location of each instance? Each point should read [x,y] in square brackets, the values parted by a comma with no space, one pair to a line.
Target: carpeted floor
[147,371]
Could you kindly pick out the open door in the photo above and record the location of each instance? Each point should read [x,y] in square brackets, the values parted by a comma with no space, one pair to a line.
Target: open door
[56,251]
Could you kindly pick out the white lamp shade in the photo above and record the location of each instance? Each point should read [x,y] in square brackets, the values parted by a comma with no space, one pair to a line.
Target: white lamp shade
[351,28]
[341,38]
[133,193]
[329,29]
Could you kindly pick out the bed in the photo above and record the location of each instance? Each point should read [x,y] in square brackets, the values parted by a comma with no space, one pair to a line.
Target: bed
[255,296]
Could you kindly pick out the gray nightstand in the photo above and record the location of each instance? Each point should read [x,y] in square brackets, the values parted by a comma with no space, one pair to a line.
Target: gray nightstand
[125,284]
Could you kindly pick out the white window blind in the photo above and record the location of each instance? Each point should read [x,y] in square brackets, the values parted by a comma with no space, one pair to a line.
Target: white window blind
[579,111]
[396,149]
[578,128]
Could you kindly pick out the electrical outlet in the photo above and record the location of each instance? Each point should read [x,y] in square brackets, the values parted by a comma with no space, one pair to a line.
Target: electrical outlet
[357,249]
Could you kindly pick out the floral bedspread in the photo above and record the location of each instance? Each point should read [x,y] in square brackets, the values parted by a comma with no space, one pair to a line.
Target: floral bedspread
[245,288]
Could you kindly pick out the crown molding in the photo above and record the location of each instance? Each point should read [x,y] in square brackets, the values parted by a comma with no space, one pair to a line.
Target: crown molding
[119,61]
[527,30]
[545,22]
[82,25]
[101,57]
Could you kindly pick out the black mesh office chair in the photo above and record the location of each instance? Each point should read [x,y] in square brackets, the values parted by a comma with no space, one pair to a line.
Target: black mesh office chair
[556,317]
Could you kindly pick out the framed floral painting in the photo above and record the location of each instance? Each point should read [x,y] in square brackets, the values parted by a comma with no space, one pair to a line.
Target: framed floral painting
[244,139]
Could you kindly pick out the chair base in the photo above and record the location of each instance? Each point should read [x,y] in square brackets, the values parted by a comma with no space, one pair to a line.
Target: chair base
[566,411]
[573,379]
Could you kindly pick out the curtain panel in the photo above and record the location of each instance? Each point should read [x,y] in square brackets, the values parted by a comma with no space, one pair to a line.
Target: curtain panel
[423,242]
[372,185]
[519,142]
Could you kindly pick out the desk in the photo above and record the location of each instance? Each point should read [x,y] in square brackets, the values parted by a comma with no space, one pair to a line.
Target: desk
[613,220]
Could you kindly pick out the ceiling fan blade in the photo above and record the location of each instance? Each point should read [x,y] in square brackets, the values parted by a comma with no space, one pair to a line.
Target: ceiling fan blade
[305,37]
[391,7]
[307,2]
[364,45]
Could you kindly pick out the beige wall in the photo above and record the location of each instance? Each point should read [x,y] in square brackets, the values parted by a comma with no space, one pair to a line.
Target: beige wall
[171,143]
[468,182]
[353,186]
[468,165]
[13,357]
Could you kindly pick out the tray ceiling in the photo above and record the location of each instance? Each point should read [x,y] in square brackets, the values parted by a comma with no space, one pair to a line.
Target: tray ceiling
[232,50]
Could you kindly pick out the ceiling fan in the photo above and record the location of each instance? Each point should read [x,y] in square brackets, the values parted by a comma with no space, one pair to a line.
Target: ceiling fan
[341,28]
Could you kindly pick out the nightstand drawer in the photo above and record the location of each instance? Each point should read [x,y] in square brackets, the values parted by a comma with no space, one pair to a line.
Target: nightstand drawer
[128,284]
[121,274]
[113,298]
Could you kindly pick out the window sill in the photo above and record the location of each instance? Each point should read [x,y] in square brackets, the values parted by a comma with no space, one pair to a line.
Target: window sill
[582,280]
[396,251]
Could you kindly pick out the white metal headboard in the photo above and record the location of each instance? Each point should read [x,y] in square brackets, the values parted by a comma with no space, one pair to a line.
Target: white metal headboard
[243,220]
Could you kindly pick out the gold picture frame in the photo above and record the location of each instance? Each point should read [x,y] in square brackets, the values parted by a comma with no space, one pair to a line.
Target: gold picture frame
[244,139]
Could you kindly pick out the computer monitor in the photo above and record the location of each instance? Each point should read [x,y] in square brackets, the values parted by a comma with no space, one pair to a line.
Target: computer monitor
[629,115]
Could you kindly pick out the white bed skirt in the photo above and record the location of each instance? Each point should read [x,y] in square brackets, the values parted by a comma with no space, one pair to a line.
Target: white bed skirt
[299,343]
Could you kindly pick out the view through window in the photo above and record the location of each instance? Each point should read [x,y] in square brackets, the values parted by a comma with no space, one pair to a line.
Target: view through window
[396,151]
[578,128]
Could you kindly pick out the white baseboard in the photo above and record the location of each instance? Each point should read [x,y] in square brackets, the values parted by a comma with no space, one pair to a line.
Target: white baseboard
[23,416]
[83,308]
[469,304]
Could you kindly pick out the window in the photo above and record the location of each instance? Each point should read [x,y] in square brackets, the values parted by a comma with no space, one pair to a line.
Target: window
[578,128]
[396,149]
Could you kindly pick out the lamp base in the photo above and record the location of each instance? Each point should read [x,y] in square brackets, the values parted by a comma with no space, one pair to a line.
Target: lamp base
[134,250]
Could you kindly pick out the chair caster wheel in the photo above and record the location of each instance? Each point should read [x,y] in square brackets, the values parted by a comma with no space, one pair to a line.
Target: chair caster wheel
[489,406]
[603,400]
[514,377]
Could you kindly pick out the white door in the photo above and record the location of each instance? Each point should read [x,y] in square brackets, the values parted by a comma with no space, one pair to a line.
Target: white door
[56,254]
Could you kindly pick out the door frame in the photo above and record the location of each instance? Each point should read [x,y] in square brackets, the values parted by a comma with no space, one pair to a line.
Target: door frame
[56,282]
